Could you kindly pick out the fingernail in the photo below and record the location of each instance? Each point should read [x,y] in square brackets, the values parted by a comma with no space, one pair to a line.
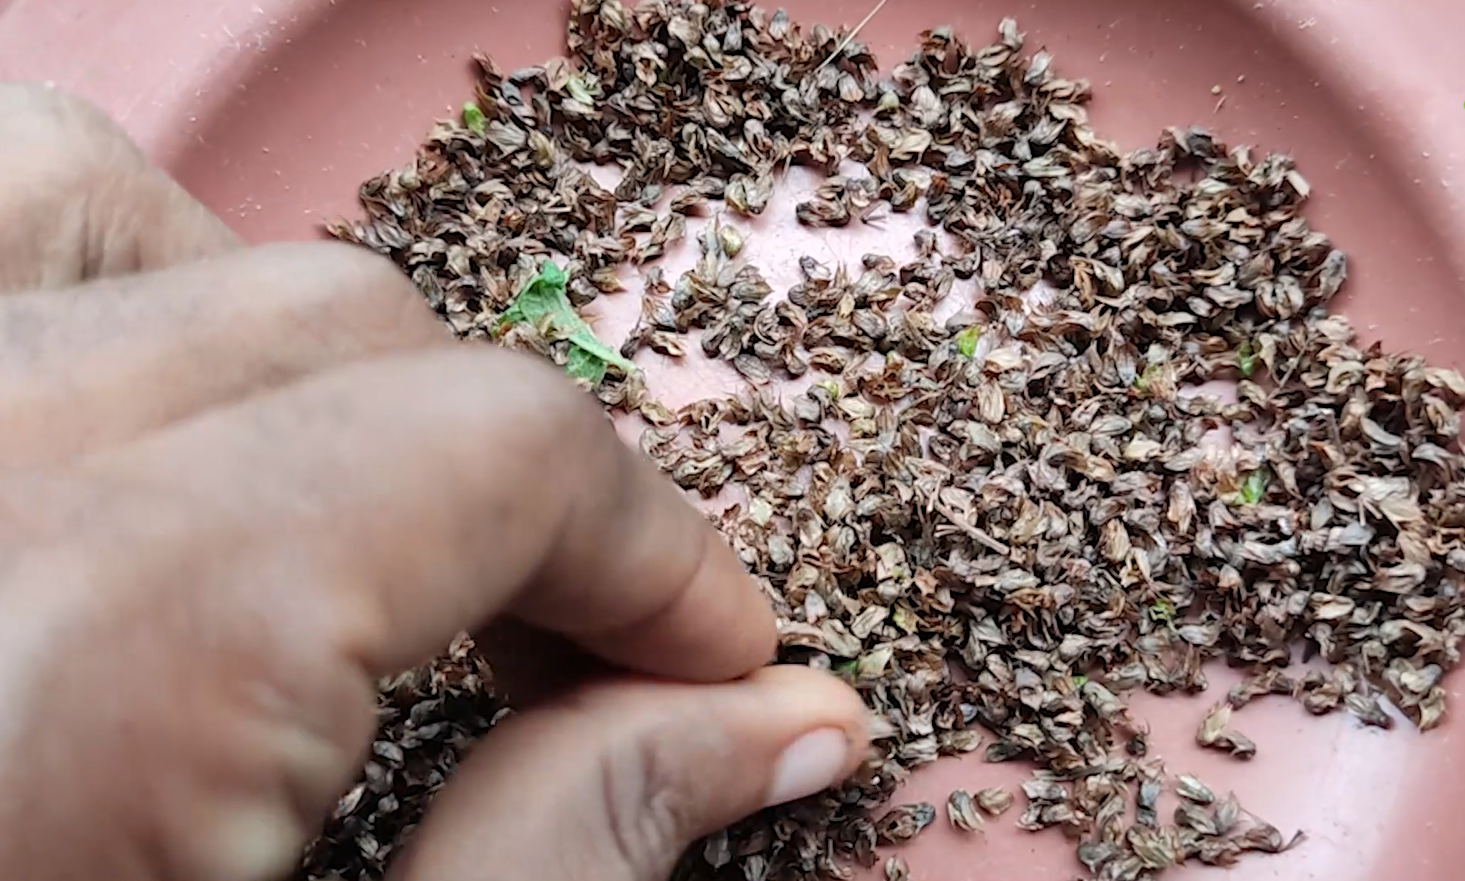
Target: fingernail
[252,841]
[811,763]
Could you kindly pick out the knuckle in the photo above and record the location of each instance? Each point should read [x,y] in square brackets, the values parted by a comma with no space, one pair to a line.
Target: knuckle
[651,804]
[71,178]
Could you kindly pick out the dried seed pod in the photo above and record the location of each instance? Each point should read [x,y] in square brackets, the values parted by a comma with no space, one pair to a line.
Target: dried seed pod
[1214,733]
[1044,791]
[1192,789]
[904,822]
[1197,819]
[896,869]
[962,811]
[1147,804]
[994,800]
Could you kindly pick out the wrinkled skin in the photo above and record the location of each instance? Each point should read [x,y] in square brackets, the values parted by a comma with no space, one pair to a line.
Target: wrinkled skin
[240,484]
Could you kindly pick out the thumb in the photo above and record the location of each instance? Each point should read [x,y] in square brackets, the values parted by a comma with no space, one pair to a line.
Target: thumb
[614,782]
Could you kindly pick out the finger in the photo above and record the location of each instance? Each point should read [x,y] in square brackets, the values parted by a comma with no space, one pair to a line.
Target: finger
[615,782]
[416,496]
[96,365]
[78,200]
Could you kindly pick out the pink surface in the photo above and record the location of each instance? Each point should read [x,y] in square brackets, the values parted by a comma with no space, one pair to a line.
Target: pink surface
[273,112]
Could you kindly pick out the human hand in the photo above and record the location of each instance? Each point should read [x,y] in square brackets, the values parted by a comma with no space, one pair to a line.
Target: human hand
[239,485]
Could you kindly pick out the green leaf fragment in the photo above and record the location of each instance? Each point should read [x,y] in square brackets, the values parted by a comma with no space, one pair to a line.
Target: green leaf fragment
[830,386]
[544,296]
[1246,360]
[1144,380]
[1080,681]
[1254,487]
[582,90]
[1162,611]
[583,365]
[544,304]
[966,341]
[473,118]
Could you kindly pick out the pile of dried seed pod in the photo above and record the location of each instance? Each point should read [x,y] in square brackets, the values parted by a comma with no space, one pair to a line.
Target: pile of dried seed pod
[993,525]
[427,718]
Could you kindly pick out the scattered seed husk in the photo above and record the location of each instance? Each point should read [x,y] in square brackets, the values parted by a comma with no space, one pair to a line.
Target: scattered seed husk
[1148,801]
[999,523]
[427,719]
[904,822]
[962,811]
[994,800]
[896,868]
[1215,734]
[1190,788]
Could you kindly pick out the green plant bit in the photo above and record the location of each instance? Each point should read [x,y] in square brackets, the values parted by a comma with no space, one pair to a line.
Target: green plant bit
[1162,611]
[544,304]
[473,118]
[1246,360]
[1254,487]
[966,341]
[1150,374]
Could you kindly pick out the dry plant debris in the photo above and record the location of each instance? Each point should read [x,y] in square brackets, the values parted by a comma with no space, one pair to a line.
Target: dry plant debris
[994,800]
[962,811]
[994,525]
[427,718]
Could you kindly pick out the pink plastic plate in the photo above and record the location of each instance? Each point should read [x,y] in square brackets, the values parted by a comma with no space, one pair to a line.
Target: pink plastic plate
[273,111]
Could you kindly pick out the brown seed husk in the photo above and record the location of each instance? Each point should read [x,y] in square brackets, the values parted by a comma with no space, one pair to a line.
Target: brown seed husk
[427,718]
[905,822]
[896,868]
[962,811]
[994,800]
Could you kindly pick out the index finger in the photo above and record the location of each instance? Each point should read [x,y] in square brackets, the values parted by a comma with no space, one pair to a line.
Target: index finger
[414,497]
